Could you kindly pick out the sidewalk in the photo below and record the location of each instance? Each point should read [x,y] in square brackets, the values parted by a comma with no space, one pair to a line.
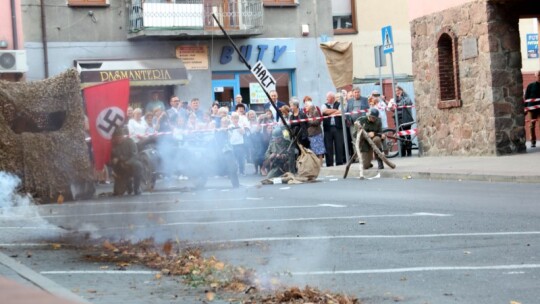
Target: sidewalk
[523,168]
[21,285]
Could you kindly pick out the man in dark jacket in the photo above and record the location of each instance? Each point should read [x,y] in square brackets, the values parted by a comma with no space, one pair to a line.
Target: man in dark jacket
[533,92]
[333,131]
[125,164]
[373,127]
[278,103]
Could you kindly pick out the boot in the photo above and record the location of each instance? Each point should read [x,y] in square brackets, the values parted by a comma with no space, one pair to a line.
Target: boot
[380,163]
[136,185]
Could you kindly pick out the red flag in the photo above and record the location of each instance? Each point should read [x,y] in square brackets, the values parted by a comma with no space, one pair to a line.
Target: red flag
[106,106]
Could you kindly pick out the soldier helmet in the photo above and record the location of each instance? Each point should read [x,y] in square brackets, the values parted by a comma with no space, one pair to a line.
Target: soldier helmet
[277,133]
[374,112]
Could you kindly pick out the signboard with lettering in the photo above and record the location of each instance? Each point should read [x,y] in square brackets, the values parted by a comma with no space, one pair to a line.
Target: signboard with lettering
[256,94]
[532,46]
[194,57]
[263,76]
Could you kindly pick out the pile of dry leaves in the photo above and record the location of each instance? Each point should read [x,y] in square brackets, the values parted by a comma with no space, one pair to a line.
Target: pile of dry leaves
[211,273]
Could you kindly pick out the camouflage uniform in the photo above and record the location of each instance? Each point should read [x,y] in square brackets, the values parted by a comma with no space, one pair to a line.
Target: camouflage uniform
[126,165]
[366,150]
[283,158]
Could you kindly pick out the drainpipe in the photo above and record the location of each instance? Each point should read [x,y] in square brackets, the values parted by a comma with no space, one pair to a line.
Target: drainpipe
[14,26]
[44,39]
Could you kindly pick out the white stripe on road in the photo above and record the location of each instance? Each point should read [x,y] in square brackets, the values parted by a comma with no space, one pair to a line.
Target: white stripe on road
[146,272]
[200,210]
[306,219]
[399,236]
[417,269]
[321,273]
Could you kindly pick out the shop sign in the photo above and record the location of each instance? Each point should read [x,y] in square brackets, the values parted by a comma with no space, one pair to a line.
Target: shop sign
[247,50]
[256,94]
[532,46]
[194,57]
[133,75]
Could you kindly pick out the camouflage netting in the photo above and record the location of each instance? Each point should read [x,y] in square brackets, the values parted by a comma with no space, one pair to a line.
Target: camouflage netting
[42,137]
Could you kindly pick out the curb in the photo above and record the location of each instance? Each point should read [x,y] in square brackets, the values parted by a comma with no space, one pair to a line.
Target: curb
[39,280]
[337,171]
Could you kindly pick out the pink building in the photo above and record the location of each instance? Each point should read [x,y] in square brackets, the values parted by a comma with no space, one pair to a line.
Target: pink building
[12,56]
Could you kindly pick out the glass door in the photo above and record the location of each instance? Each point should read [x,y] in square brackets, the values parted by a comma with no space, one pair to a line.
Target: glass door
[225,90]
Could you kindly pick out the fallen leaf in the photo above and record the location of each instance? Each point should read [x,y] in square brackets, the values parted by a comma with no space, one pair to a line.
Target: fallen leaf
[104,267]
[60,199]
[515,302]
[210,296]
[56,246]
[219,265]
[91,291]
[107,245]
[165,271]
[158,276]
[167,248]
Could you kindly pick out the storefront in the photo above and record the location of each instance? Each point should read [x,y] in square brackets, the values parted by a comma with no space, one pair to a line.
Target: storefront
[146,76]
[231,77]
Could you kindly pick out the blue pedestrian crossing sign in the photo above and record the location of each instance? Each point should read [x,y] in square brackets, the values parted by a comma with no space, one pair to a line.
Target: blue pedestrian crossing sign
[387,39]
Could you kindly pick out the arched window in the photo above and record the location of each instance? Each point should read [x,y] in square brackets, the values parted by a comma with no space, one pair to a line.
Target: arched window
[448,71]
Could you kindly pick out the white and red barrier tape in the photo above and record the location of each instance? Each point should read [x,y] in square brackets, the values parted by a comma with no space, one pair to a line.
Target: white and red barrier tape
[531,107]
[406,132]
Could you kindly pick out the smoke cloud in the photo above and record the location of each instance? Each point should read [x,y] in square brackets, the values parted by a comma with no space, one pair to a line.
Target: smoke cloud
[12,204]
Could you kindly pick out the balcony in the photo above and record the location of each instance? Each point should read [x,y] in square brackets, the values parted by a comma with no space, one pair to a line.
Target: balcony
[193,18]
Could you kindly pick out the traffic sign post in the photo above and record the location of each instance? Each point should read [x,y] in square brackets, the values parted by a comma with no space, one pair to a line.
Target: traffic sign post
[380,61]
[388,48]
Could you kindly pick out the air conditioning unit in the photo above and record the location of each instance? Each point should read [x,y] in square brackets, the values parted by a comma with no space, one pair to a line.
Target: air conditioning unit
[13,61]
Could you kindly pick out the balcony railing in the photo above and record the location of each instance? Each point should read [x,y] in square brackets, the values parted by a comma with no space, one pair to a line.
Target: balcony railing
[194,17]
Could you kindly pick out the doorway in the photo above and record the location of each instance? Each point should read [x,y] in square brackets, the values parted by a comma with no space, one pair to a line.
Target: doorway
[225,90]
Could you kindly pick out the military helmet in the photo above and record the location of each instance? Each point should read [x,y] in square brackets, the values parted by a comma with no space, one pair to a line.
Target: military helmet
[277,133]
[374,112]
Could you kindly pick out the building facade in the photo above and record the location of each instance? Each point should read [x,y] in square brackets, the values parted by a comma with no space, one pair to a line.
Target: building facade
[13,63]
[176,47]
[467,67]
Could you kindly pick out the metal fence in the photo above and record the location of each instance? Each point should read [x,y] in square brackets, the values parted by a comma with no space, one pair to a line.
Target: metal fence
[239,15]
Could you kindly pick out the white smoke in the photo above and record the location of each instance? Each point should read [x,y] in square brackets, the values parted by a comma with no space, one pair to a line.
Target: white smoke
[12,204]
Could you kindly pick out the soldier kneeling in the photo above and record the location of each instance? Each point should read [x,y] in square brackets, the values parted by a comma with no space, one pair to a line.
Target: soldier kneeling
[278,156]
[373,127]
[125,163]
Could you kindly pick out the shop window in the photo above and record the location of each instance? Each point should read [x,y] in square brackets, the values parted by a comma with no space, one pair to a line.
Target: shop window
[88,2]
[344,17]
[448,71]
[280,2]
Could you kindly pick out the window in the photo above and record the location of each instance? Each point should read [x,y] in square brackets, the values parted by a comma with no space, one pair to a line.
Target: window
[280,2]
[88,2]
[344,17]
[448,70]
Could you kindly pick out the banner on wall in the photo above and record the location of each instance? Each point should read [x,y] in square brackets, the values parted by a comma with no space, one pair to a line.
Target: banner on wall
[532,46]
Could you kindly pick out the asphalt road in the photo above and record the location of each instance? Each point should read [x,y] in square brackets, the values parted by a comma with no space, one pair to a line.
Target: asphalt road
[384,240]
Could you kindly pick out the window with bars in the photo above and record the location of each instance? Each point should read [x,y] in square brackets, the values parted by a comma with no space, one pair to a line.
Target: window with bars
[448,71]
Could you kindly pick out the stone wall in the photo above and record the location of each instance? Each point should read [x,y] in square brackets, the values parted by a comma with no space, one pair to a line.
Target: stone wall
[487,117]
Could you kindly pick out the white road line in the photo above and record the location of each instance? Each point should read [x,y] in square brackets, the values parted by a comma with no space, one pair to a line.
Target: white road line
[146,272]
[417,269]
[399,236]
[199,210]
[26,244]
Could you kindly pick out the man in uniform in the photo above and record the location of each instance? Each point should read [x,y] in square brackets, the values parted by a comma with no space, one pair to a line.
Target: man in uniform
[278,155]
[373,127]
[125,164]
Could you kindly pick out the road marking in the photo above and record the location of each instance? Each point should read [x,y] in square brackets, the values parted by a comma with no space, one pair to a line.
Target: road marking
[332,205]
[399,236]
[27,244]
[145,272]
[200,210]
[301,219]
[417,269]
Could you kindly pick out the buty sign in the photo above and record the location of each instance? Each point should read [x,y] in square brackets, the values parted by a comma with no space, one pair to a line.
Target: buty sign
[264,77]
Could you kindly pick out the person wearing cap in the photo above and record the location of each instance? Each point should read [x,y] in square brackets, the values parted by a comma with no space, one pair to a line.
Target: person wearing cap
[278,155]
[373,127]
[125,164]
